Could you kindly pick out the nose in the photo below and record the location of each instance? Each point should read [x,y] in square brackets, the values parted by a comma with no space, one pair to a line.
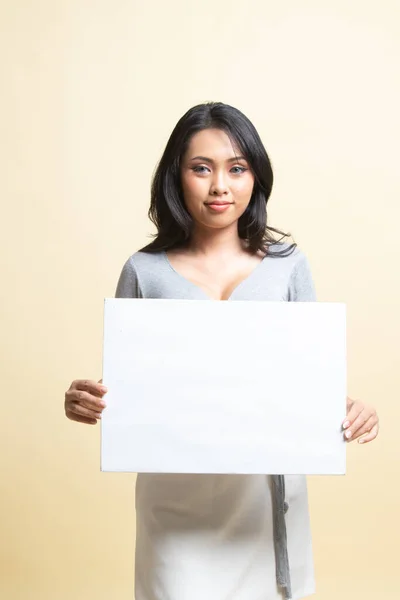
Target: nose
[219,185]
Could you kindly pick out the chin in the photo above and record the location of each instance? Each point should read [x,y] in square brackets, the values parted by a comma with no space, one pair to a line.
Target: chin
[218,222]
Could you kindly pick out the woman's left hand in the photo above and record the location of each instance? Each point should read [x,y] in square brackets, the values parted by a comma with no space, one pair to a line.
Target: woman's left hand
[361,423]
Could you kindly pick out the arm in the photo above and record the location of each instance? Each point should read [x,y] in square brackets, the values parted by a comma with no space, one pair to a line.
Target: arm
[301,284]
[128,283]
[362,421]
[83,401]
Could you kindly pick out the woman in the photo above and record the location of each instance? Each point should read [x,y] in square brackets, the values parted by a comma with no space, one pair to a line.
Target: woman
[214,536]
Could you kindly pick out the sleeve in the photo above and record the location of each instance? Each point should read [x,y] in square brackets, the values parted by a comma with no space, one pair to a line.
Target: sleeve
[128,284]
[301,284]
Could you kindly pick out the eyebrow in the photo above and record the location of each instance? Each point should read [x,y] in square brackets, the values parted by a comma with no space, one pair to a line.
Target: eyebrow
[210,160]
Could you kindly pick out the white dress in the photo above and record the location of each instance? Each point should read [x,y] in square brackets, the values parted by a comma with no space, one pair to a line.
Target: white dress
[210,537]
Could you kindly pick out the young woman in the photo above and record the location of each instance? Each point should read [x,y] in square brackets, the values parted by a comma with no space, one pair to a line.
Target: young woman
[217,537]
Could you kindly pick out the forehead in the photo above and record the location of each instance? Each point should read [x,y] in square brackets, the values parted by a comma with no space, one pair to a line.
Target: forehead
[213,143]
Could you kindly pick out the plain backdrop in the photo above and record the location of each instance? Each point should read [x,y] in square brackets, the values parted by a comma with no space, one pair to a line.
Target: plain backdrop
[90,92]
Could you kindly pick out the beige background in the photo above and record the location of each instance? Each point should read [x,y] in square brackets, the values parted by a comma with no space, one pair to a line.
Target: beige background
[91,89]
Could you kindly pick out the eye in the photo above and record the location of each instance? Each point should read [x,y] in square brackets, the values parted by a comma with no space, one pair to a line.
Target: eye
[199,169]
[241,170]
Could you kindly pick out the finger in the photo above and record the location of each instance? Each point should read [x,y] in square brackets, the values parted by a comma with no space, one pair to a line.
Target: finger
[85,399]
[80,419]
[92,387]
[358,423]
[353,413]
[370,436]
[82,411]
[365,428]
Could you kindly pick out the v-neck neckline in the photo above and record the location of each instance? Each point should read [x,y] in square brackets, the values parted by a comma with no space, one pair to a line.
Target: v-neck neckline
[200,289]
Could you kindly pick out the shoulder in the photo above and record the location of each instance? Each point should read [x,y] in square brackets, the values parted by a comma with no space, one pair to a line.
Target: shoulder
[140,261]
[289,257]
[139,269]
[300,281]
[294,267]
[135,271]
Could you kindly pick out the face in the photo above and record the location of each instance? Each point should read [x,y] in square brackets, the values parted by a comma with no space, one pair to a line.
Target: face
[217,185]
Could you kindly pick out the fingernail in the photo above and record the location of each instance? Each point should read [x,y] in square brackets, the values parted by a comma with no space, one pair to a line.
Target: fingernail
[103,404]
[346,424]
[98,415]
[103,389]
[348,434]
[361,441]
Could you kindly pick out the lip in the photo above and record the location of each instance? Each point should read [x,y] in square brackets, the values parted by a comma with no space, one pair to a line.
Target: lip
[218,206]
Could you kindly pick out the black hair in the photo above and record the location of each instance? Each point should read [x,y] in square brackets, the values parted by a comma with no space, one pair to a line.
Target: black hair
[167,208]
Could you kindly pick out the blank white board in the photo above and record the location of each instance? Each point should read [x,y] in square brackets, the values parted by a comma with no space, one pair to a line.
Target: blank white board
[246,387]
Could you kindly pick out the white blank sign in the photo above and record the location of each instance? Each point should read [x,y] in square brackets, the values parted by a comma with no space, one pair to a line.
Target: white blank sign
[224,387]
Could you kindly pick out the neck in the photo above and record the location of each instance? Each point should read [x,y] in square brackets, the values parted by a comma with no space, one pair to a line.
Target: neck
[211,242]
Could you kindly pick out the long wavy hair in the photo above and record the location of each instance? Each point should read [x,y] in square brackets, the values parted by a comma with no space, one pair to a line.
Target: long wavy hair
[167,208]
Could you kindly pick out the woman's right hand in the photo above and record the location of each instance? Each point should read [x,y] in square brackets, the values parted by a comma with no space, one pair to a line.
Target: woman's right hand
[84,401]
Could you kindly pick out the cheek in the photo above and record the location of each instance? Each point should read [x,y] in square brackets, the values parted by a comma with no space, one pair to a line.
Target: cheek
[244,188]
[193,189]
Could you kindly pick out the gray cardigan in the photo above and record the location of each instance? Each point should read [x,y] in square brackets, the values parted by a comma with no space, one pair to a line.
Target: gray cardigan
[148,275]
